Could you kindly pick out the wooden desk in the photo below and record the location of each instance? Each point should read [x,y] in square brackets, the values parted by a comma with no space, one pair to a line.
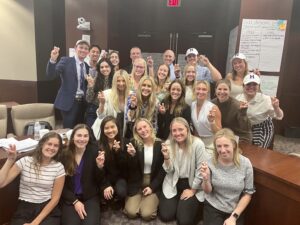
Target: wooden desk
[9,105]
[277,181]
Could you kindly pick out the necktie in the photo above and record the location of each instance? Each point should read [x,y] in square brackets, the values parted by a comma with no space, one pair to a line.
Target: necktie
[81,76]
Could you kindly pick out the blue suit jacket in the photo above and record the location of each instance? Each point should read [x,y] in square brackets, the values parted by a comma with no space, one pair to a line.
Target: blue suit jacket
[66,69]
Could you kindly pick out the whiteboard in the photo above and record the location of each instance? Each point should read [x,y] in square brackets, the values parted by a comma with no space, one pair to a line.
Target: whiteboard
[262,42]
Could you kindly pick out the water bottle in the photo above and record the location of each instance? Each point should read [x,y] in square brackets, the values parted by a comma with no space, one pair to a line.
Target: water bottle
[37,128]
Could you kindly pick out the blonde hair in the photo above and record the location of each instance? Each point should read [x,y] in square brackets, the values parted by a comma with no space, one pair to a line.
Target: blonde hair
[184,74]
[138,140]
[189,140]
[151,100]
[206,83]
[167,79]
[227,133]
[144,64]
[115,93]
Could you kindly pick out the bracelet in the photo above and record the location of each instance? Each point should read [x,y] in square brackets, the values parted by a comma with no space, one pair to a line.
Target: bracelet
[75,201]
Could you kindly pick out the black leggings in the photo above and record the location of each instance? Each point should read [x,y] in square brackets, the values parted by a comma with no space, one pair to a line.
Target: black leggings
[184,211]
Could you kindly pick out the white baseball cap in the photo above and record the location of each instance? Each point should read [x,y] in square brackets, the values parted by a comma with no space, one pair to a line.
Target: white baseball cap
[191,51]
[238,56]
[251,78]
[82,42]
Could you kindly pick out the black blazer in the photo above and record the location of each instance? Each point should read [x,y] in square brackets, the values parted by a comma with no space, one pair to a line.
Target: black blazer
[91,177]
[136,170]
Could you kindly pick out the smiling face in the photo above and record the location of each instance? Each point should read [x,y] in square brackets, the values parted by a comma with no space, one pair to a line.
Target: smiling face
[169,57]
[146,88]
[225,149]
[162,72]
[110,130]
[135,53]
[175,91]
[114,58]
[190,73]
[179,132]
[105,68]
[144,130]
[50,148]
[201,91]
[94,54]
[82,50]
[191,59]
[81,138]
[251,89]
[222,92]
[239,65]
[139,67]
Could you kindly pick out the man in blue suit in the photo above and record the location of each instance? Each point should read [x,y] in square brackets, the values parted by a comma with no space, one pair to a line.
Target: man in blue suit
[70,99]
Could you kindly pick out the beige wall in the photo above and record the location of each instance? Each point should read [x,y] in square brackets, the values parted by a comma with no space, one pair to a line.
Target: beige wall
[17,40]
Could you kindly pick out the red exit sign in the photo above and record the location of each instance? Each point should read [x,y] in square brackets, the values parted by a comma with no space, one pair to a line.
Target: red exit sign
[173,3]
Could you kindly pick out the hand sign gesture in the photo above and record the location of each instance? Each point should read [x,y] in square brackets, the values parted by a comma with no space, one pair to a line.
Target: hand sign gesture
[150,61]
[101,97]
[116,145]
[204,171]
[12,153]
[275,102]
[100,159]
[243,105]
[130,149]
[211,115]
[54,54]
[203,60]
[133,100]
[162,108]
[90,80]
[165,151]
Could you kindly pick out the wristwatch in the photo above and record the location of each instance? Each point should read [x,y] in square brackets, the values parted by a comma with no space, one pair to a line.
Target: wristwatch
[235,215]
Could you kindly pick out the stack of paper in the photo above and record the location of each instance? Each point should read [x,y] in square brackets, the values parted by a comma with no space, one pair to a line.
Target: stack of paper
[21,146]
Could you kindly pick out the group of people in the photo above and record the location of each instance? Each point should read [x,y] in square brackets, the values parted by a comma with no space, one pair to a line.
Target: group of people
[154,144]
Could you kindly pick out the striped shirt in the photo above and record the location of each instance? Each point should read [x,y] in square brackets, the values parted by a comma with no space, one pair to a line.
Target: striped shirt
[37,188]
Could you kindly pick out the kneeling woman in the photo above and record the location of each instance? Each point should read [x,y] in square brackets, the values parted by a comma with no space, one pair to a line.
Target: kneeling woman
[41,183]
[182,194]
[145,172]
[227,182]
[83,164]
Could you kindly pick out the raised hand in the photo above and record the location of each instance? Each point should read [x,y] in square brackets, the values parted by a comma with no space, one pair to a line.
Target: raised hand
[167,85]
[90,80]
[162,108]
[211,115]
[204,171]
[243,105]
[133,100]
[101,97]
[54,53]
[165,151]
[100,159]
[12,153]
[150,62]
[116,145]
[203,60]
[130,149]
[275,102]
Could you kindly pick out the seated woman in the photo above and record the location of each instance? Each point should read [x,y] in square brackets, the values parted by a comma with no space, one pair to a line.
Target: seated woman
[227,180]
[114,184]
[173,105]
[182,193]
[145,172]
[41,182]
[261,110]
[112,102]
[162,81]
[234,115]
[83,164]
[144,104]
[102,82]
[206,116]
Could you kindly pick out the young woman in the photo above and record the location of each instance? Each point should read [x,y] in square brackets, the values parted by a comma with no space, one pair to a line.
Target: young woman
[173,105]
[261,110]
[162,81]
[41,183]
[112,102]
[227,180]
[83,164]
[115,60]
[234,115]
[145,172]
[189,82]
[138,71]
[206,116]
[102,82]
[145,103]
[239,71]
[114,184]
[182,194]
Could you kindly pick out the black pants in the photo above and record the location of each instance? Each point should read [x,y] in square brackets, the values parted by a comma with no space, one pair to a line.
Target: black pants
[90,114]
[184,211]
[92,208]
[75,115]
[213,216]
[27,212]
